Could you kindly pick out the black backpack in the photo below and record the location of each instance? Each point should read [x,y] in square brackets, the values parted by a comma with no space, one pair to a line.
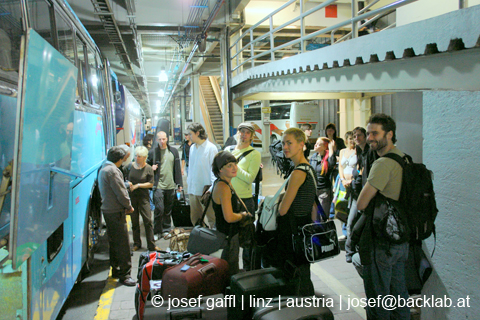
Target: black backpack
[284,165]
[417,197]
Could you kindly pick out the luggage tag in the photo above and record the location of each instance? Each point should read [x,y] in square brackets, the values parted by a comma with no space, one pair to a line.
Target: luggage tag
[185,268]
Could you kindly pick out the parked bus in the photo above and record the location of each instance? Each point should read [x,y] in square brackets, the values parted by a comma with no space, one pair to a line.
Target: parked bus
[128,118]
[56,123]
[286,115]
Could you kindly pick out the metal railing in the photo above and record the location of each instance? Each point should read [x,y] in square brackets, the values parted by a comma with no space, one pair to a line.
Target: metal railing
[238,61]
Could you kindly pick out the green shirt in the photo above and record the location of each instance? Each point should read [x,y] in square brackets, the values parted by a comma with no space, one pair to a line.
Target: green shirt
[166,181]
[386,176]
[247,171]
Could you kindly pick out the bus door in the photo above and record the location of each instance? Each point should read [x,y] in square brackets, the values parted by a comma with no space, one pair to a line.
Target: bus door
[43,147]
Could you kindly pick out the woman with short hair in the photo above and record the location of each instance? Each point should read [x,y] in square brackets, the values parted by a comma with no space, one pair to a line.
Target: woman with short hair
[140,175]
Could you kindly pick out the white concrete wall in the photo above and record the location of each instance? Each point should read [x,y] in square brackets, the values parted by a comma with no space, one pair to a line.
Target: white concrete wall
[257,10]
[451,150]
[472,3]
[424,9]
[407,113]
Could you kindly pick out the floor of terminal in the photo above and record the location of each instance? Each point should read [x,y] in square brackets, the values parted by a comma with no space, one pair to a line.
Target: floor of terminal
[335,281]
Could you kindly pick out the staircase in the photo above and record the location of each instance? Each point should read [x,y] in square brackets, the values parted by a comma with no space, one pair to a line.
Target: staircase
[213,105]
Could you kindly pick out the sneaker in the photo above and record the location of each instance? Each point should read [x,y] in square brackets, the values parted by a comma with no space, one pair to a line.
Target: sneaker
[156,237]
[136,248]
[342,237]
[164,234]
[156,249]
[129,282]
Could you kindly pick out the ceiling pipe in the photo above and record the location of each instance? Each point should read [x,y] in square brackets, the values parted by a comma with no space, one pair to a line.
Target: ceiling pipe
[205,28]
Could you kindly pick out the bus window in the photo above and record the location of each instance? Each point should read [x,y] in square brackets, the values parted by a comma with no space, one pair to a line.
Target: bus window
[65,38]
[10,34]
[94,81]
[280,112]
[252,114]
[40,13]
[82,79]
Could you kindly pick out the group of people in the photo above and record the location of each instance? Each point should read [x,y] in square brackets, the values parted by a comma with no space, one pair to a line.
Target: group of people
[228,175]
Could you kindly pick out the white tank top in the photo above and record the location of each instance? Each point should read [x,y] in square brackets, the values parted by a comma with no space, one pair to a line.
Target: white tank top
[349,163]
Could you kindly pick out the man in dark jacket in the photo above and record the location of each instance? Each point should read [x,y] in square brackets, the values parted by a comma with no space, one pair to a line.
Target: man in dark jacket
[165,161]
[115,205]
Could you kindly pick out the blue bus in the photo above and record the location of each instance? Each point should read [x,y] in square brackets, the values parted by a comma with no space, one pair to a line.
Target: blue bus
[57,120]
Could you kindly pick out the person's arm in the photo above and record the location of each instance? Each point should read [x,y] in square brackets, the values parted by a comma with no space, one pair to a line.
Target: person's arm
[254,165]
[222,192]
[366,195]
[144,185]
[183,166]
[296,180]
[340,167]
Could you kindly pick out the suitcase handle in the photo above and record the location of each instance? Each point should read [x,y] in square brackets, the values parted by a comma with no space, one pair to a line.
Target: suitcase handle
[208,270]
[194,260]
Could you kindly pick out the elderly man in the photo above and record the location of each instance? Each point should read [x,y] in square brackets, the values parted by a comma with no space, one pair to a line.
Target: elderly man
[115,205]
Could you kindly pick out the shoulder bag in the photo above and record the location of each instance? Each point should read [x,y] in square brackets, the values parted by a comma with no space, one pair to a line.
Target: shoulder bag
[204,240]
[315,241]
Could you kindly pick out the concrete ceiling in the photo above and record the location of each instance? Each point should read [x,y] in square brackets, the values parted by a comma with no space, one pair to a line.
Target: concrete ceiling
[160,34]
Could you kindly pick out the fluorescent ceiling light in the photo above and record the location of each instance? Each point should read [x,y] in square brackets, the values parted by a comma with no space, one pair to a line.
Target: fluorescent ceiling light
[161,93]
[163,76]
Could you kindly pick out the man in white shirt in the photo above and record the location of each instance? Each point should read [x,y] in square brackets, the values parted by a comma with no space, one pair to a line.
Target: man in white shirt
[200,172]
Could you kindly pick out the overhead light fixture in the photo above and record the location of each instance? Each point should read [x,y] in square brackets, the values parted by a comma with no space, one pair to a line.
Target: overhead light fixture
[163,76]
[161,93]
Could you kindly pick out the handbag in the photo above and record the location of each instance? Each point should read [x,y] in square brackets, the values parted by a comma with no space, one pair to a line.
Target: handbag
[204,240]
[315,241]
[269,212]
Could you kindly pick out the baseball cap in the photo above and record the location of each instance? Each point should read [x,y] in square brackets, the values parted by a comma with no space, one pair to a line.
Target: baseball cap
[246,125]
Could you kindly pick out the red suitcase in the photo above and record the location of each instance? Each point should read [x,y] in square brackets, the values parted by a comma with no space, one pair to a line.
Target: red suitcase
[199,275]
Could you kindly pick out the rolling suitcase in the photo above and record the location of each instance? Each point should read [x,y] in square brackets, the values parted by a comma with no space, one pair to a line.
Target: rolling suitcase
[151,266]
[283,310]
[181,212]
[210,308]
[253,286]
[199,275]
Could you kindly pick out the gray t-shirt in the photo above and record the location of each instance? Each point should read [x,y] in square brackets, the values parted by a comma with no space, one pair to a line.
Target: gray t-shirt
[166,181]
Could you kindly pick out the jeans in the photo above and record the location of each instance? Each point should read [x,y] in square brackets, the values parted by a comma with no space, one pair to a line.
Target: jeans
[386,276]
[349,251]
[162,221]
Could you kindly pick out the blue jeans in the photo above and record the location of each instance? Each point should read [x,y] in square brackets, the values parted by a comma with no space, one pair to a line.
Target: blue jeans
[386,276]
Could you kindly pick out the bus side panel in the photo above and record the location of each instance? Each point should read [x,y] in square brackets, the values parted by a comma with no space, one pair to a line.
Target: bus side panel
[88,150]
[46,107]
[80,200]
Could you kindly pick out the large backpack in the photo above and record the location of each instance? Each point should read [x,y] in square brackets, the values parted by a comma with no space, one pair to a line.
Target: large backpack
[284,165]
[417,197]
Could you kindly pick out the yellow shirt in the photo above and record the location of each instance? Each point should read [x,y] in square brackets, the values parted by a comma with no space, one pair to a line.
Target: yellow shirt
[247,171]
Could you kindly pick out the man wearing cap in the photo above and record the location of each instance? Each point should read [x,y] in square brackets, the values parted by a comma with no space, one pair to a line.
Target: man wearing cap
[187,143]
[165,161]
[249,161]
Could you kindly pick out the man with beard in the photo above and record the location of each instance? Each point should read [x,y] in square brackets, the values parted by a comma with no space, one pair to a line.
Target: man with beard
[383,261]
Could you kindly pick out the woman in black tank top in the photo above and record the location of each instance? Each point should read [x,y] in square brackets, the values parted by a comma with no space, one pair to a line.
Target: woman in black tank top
[298,201]
[226,206]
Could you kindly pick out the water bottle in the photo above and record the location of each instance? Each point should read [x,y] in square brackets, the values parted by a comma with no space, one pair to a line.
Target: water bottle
[179,195]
